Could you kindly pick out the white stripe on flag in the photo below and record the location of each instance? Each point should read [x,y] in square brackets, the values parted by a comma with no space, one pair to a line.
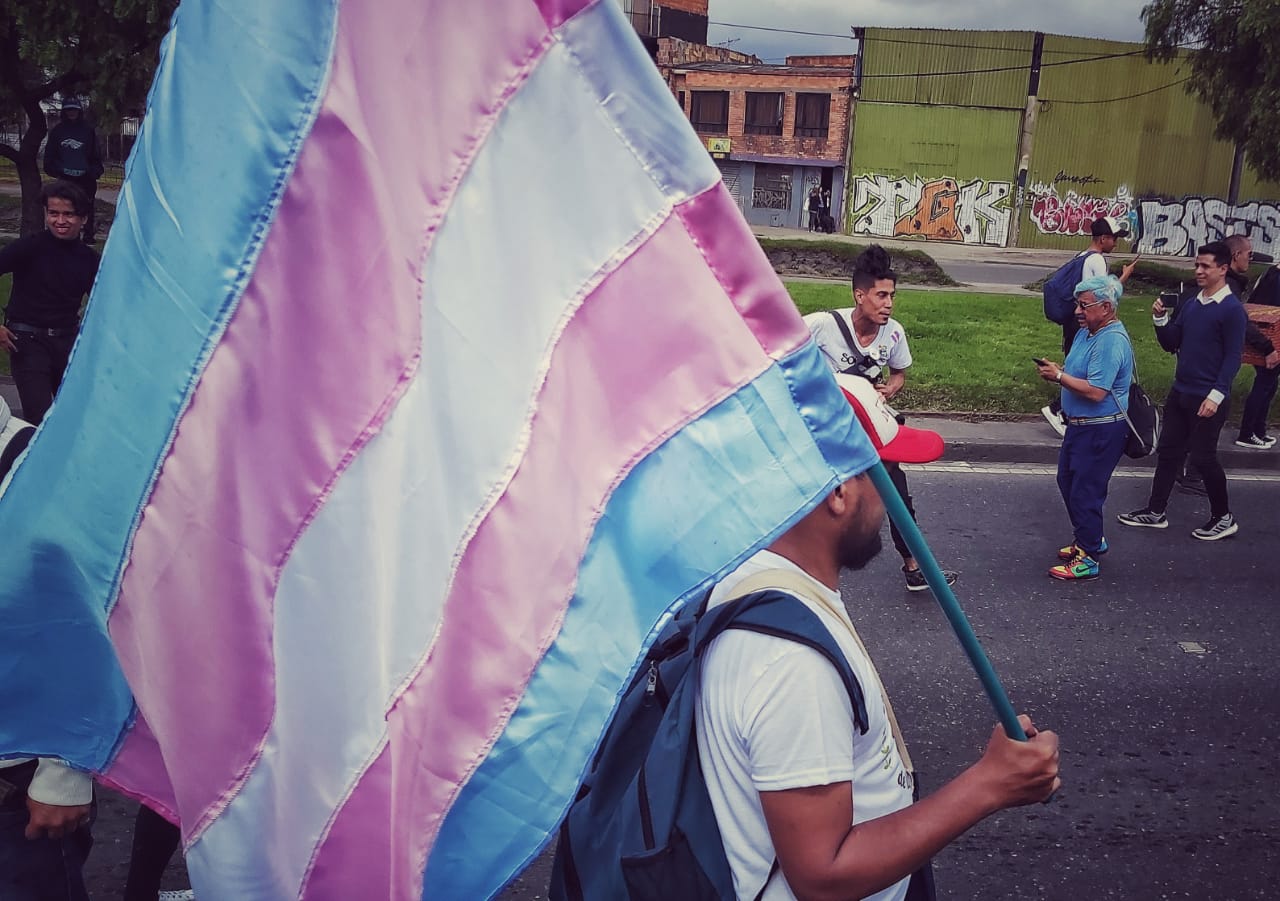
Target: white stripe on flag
[556,174]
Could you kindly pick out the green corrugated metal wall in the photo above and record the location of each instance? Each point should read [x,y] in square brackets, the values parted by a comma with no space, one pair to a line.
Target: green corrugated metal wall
[1156,143]
[896,63]
[906,139]
[1092,136]
[942,172]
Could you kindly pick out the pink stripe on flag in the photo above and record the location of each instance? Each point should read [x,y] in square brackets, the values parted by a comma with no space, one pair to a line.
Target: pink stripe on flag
[557,12]
[322,344]
[341,867]
[744,271]
[636,363]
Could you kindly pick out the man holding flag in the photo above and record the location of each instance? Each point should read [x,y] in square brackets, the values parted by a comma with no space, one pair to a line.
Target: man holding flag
[792,779]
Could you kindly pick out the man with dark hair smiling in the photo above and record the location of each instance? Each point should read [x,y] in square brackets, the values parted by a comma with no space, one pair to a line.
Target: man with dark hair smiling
[52,274]
[1207,334]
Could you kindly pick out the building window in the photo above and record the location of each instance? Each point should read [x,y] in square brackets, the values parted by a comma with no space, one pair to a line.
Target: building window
[773,187]
[764,113]
[709,112]
[813,115]
[680,99]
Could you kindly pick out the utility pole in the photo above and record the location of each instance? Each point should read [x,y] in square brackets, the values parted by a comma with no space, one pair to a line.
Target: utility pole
[1027,137]
[860,35]
[1237,168]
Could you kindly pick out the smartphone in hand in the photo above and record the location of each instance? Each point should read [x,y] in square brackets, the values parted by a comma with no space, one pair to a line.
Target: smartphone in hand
[1039,362]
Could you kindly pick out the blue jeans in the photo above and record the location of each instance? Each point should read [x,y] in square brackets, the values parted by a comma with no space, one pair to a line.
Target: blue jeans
[1253,421]
[43,869]
[1088,457]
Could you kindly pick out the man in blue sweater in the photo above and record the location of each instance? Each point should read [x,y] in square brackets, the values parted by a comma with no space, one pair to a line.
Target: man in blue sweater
[1207,334]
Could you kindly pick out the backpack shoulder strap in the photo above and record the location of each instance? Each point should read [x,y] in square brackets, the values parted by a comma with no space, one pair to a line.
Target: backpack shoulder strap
[796,584]
[848,336]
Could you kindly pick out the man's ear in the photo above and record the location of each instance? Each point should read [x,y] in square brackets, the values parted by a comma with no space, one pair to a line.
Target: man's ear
[838,500]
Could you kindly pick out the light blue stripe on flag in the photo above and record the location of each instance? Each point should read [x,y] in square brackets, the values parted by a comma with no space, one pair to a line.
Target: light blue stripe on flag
[191,220]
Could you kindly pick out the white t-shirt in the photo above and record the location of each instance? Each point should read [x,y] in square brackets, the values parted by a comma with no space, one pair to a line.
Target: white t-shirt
[1095,265]
[774,715]
[887,347]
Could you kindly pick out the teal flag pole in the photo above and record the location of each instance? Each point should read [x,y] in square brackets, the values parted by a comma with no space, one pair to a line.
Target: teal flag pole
[946,598]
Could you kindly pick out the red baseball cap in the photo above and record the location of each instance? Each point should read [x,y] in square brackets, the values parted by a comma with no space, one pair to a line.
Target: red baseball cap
[896,443]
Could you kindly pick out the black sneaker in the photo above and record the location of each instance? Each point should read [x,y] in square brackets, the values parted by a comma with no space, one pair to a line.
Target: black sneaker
[916,580]
[1144,518]
[1222,527]
[1252,442]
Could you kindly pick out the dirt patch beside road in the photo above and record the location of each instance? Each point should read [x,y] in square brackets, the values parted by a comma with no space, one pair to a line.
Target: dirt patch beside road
[834,259]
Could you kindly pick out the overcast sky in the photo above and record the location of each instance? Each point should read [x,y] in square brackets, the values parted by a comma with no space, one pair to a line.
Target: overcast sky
[1114,19]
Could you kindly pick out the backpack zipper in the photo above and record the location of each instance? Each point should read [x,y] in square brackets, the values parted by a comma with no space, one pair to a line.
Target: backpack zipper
[646,817]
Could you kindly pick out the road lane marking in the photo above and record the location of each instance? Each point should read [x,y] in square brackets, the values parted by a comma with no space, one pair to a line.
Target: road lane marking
[1035,469]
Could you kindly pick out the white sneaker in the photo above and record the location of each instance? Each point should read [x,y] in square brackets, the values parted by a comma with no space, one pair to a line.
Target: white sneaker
[1056,420]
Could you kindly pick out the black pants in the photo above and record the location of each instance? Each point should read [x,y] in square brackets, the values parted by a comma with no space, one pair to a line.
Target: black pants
[1253,420]
[154,841]
[90,187]
[1184,433]
[37,366]
[899,479]
[42,869]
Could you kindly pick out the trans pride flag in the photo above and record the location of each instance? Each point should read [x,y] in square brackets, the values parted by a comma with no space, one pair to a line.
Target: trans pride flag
[429,367]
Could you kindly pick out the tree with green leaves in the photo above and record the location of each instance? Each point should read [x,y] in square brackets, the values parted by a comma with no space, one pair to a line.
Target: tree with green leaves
[1235,67]
[105,50]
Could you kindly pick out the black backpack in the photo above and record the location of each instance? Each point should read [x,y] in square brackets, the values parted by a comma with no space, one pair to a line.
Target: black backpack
[642,826]
[1059,290]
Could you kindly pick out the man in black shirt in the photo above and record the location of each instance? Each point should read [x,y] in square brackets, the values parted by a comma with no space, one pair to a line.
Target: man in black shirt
[52,274]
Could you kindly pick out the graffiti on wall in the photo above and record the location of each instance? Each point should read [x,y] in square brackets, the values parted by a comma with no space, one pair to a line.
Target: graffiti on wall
[1164,227]
[941,209]
[1072,213]
[1180,227]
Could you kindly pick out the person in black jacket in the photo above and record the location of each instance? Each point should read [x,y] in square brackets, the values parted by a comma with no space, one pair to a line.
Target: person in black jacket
[71,154]
[1253,419]
[52,274]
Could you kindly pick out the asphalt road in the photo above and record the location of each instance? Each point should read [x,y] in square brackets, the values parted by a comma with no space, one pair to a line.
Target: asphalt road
[987,272]
[1167,759]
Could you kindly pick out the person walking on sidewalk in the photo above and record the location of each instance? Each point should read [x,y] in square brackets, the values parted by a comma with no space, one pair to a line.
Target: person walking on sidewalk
[1253,419]
[865,340]
[52,274]
[1104,233]
[1207,334]
[1095,379]
[71,154]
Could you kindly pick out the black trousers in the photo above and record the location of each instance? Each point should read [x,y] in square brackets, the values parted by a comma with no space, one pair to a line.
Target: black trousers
[154,841]
[37,367]
[1184,434]
[899,479]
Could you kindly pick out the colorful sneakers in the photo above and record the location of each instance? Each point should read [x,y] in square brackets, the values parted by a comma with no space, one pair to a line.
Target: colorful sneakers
[1079,568]
[916,581]
[1214,529]
[1144,518]
[1069,552]
[1056,420]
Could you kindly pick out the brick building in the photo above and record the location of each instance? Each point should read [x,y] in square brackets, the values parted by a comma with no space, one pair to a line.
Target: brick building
[654,19]
[774,131]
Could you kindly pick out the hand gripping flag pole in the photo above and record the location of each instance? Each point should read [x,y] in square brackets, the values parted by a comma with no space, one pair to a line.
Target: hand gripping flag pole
[946,598]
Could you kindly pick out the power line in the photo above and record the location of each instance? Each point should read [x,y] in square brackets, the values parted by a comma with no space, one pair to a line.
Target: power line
[1163,87]
[813,34]
[987,71]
